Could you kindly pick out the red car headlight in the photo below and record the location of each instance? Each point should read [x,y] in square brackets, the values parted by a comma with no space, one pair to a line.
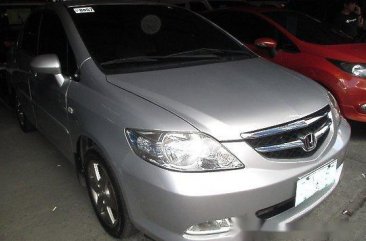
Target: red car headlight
[355,69]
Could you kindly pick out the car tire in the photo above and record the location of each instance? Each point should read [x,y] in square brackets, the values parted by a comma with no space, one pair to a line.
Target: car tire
[23,121]
[106,197]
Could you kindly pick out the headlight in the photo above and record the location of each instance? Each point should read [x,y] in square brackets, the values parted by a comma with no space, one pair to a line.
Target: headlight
[335,109]
[355,69]
[180,151]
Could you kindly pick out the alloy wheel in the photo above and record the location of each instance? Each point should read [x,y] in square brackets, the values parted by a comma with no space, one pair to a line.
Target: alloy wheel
[103,194]
[20,113]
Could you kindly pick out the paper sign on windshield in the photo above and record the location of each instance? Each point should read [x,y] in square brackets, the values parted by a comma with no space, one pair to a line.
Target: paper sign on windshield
[84,10]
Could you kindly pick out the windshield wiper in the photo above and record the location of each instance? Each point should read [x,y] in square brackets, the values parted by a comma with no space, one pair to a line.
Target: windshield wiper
[145,59]
[209,51]
[131,60]
[202,53]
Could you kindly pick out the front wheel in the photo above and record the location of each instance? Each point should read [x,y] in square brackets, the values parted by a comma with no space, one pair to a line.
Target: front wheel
[105,196]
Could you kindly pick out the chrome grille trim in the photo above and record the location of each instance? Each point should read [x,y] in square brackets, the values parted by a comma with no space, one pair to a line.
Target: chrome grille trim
[323,130]
[298,139]
[294,144]
[282,129]
[280,147]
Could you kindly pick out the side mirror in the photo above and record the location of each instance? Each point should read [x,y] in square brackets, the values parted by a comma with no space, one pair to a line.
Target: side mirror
[267,43]
[48,64]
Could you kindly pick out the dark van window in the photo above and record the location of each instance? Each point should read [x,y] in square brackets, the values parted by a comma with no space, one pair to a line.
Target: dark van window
[30,35]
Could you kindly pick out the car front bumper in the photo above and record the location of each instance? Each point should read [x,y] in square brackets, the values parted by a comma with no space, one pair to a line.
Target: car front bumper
[352,98]
[164,204]
[353,112]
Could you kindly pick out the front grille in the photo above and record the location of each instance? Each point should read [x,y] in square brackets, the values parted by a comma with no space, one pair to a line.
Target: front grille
[297,139]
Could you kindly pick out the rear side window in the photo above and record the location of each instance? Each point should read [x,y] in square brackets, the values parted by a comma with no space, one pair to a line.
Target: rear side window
[53,40]
[30,35]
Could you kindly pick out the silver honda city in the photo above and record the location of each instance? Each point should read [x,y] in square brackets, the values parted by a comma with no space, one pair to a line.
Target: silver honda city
[176,128]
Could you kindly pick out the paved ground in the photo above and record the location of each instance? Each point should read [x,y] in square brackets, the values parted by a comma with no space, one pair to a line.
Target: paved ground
[40,198]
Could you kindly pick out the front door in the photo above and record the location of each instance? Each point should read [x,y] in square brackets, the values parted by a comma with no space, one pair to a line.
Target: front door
[50,98]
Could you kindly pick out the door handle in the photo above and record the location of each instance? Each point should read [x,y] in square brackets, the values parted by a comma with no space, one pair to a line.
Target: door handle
[70,110]
[35,74]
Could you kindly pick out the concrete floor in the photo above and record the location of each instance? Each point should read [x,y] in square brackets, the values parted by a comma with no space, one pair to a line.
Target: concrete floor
[40,198]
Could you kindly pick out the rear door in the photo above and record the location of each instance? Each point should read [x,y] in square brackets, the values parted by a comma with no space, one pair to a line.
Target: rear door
[26,51]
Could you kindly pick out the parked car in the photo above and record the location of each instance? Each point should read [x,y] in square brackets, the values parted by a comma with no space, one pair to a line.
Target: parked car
[306,45]
[12,17]
[177,128]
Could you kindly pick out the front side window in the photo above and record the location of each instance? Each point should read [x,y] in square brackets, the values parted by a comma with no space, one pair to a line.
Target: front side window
[53,40]
[30,35]
[309,29]
[131,38]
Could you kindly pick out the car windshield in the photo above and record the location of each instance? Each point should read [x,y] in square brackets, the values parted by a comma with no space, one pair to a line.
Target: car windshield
[128,38]
[309,29]
[226,4]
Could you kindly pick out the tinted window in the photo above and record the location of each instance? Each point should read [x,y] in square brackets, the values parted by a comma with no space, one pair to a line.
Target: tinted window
[225,4]
[182,5]
[134,31]
[243,26]
[198,6]
[325,10]
[30,35]
[53,40]
[309,29]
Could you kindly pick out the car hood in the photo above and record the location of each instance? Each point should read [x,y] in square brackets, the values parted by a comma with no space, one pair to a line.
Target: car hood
[346,52]
[226,99]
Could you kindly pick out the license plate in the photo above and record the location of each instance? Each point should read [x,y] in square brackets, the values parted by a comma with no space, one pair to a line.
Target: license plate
[314,182]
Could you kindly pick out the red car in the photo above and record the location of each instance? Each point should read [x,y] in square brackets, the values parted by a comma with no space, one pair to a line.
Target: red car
[306,45]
